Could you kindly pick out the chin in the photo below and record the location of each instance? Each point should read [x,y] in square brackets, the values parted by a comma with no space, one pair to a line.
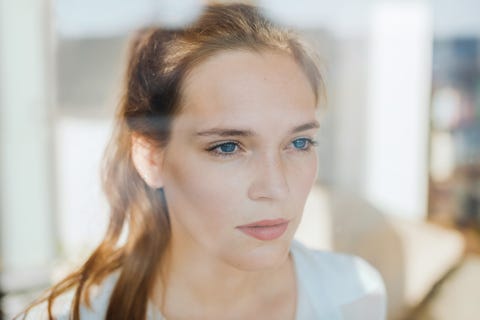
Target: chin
[263,257]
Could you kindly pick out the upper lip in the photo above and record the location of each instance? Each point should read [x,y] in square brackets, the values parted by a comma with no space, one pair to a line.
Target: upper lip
[264,223]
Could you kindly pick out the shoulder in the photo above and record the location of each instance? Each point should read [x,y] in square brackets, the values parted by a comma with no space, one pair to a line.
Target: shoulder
[348,282]
[347,271]
[99,299]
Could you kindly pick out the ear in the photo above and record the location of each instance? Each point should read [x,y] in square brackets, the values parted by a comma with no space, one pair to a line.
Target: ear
[148,161]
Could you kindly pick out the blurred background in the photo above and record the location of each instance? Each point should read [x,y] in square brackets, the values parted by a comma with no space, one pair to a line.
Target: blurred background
[399,180]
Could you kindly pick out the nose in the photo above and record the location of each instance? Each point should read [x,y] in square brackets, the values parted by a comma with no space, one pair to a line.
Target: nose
[269,179]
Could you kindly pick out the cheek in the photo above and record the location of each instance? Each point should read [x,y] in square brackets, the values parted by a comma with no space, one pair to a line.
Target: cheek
[203,196]
[199,195]
[302,175]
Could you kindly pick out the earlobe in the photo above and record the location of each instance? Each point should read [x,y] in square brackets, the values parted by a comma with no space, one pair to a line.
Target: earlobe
[148,161]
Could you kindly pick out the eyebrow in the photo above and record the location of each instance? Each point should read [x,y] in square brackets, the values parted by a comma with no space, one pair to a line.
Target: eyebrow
[225,132]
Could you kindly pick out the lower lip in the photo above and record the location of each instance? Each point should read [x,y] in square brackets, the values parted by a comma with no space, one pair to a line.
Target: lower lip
[265,233]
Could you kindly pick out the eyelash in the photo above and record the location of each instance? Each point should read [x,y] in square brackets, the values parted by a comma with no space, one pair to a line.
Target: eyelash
[215,149]
[310,143]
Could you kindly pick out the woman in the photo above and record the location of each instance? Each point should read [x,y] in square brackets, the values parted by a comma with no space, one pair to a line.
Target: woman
[207,173]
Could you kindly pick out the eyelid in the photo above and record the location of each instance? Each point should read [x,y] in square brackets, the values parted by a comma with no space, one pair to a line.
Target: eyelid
[219,143]
[309,138]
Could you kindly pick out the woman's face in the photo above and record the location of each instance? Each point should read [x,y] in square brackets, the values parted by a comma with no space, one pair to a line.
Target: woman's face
[240,161]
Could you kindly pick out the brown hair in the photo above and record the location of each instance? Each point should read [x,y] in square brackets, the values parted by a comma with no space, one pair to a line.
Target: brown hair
[159,60]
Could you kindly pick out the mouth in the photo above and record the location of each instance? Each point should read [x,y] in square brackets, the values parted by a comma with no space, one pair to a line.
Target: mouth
[265,229]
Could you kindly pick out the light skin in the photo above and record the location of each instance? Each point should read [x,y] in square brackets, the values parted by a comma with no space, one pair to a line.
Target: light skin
[240,151]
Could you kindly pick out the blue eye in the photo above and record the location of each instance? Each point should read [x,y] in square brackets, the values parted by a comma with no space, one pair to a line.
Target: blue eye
[303,144]
[228,147]
[300,143]
[224,149]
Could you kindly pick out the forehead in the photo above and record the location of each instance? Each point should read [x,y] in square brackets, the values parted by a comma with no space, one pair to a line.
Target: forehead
[244,87]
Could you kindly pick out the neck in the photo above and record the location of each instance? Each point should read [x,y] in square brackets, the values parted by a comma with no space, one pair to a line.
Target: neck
[208,285]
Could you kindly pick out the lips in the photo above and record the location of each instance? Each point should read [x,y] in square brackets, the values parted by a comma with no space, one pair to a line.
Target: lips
[265,229]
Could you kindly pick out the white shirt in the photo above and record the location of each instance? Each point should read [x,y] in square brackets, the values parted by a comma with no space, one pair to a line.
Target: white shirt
[337,286]
[330,286]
